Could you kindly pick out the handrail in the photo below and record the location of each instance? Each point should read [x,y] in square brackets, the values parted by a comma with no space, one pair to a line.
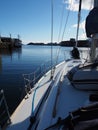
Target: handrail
[4,112]
[31,78]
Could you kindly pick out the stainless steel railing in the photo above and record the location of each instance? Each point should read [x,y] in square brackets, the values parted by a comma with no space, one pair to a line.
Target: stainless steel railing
[31,78]
[4,112]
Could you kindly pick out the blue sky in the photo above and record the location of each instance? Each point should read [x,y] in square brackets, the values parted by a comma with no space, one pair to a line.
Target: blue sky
[31,19]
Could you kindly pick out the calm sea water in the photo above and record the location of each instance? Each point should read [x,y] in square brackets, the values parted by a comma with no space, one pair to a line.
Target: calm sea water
[15,63]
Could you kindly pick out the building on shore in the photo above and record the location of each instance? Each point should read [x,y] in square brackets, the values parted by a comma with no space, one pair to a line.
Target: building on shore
[8,42]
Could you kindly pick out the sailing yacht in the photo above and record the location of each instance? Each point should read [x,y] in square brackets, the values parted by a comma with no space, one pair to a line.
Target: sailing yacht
[67,99]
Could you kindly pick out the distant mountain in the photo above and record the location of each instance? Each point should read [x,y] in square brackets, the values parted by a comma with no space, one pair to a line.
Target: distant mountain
[31,43]
[48,44]
[69,43]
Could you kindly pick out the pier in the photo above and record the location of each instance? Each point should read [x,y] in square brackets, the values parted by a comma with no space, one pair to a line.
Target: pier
[8,42]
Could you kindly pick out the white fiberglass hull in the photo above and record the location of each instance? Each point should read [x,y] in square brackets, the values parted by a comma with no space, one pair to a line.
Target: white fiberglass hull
[61,99]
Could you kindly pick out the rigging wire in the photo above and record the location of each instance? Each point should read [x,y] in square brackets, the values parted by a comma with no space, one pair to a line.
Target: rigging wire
[62,15]
[65,25]
[68,13]
[52,6]
[52,11]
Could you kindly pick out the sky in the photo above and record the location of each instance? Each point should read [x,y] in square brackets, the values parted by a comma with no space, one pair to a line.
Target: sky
[31,19]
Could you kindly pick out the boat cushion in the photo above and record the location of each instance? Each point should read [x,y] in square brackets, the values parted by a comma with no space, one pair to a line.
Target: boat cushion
[86,74]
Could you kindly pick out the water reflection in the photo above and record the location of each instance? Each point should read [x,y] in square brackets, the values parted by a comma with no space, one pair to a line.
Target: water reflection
[14,63]
[0,62]
[9,79]
[9,53]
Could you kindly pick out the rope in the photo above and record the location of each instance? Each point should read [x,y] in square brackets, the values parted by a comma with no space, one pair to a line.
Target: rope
[63,30]
[34,99]
[65,25]
[34,115]
[52,4]
[62,15]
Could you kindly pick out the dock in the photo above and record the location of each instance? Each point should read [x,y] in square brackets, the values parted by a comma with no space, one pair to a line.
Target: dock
[8,42]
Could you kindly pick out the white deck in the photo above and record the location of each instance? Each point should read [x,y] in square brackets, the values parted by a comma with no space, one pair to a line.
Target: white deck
[63,98]
[20,118]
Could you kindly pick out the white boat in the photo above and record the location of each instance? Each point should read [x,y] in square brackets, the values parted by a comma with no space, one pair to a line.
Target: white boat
[64,99]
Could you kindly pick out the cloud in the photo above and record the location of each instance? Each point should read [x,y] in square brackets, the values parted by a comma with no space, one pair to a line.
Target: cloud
[82,28]
[74,4]
[82,36]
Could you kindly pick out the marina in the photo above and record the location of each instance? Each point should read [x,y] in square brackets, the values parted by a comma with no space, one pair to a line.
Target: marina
[10,43]
[61,94]
[22,61]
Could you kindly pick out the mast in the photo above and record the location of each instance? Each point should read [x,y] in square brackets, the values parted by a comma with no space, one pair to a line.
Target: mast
[79,14]
[75,52]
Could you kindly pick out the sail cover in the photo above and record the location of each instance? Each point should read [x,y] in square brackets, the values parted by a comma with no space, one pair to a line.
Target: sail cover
[92,22]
